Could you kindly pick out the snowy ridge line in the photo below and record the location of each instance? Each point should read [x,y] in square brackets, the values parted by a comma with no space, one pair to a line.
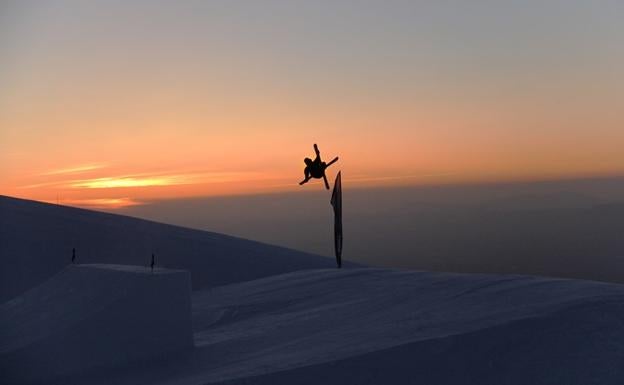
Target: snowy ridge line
[36,242]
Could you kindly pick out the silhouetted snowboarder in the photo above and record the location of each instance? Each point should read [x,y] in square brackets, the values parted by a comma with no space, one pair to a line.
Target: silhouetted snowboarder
[73,255]
[153,263]
[316,168]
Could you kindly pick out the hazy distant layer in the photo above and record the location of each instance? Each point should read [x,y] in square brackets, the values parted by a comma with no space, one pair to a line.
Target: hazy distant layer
[569,228]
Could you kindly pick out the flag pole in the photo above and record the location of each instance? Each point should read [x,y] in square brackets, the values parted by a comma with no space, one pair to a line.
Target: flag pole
[336,202]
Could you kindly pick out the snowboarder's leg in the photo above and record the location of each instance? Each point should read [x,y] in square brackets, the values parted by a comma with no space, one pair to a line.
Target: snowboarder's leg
[316,150]
[306,173]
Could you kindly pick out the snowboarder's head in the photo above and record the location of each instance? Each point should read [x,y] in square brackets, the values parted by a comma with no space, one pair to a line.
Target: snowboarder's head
[307,161]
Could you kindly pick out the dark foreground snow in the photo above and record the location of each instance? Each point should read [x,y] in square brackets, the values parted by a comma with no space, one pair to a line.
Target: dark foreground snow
[380,326]
[36,241]
[91,316]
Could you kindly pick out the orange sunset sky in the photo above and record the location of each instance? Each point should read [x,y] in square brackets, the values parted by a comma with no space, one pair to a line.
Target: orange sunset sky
[107,104]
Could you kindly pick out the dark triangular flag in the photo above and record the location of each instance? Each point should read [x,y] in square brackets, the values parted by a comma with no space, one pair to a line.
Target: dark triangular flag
[336,202]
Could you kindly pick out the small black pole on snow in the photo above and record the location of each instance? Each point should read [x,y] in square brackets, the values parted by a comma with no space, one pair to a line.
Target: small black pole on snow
[153,263]
[73,255]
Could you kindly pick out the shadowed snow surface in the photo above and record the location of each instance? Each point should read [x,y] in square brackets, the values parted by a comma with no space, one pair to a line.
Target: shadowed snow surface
[380,326]
[36,241]
[90,316]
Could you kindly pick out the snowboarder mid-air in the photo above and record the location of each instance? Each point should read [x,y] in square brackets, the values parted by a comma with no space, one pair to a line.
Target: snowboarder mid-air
[316,168]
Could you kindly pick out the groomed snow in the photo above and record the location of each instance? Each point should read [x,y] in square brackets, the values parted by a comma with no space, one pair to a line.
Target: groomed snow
[384,326]
[91,316]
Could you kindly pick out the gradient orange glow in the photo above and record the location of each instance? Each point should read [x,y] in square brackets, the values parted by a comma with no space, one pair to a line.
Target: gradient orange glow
[101,203]
[122,111]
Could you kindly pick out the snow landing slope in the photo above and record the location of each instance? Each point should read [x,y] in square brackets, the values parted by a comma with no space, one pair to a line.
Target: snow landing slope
[36,241]
[381,326]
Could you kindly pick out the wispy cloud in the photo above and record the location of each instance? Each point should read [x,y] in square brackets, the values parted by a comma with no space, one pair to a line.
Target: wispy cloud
[127,181]
[153,180]
[75,169]
[64,180]
[102,203]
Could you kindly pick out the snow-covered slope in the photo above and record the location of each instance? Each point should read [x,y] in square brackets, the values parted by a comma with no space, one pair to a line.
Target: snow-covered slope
[36,241]
[266,315]
[379,326]
[423,327]
[94,316]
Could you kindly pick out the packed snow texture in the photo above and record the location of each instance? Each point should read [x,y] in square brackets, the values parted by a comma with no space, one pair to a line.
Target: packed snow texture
[36,241]
[369,326]
[381,326]
[93,316]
